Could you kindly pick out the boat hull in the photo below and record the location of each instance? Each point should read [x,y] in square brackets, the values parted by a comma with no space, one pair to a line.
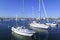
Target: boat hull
[51,24]
[38,27]
[21,33]
[42,26]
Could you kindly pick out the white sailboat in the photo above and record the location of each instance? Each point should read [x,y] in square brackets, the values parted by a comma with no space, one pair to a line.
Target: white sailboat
[38,25]
[48,23]
[21,30]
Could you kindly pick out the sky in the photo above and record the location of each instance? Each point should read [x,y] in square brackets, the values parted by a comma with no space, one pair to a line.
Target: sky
[11,8]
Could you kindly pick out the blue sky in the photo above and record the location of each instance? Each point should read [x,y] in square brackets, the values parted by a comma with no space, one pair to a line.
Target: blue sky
[9,8]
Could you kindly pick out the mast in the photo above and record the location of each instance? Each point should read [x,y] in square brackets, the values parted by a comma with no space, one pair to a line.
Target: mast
[23,6]
[23,11]
[32,12]
[44,11]
[39,5]
[16,20]
[39,10]
[33,9]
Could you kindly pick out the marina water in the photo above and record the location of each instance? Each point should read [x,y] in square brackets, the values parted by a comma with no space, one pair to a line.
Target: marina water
[41,34]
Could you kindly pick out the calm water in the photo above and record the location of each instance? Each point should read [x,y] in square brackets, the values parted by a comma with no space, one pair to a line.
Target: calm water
[42,34]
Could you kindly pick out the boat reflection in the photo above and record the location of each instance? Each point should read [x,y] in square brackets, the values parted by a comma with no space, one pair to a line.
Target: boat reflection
[20,37]
[41,33]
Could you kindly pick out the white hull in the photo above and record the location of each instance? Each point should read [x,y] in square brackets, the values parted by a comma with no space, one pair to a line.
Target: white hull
[21,33]
[38,25]
[51,24]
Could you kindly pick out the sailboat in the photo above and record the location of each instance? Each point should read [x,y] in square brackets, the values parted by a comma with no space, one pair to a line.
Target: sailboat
[48,23]
[38,25]
[21,30]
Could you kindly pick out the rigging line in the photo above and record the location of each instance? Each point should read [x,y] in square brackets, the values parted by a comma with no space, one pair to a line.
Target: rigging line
[45,11]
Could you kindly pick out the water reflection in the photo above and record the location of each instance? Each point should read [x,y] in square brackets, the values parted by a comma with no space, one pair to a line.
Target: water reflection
[20,37]
[41,33]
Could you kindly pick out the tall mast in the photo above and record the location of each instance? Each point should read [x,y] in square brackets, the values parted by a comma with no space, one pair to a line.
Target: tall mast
[23,6]
[39,5]
[23,12]
[39,10]
[33,12]
[16,20]
[44,11]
